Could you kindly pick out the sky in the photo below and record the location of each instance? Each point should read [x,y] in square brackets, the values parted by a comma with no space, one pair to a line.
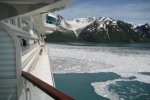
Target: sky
[134,11]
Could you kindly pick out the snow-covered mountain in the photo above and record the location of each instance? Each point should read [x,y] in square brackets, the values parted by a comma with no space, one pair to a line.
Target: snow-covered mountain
[80,23]
[143,30]
[63,23]
[105,29]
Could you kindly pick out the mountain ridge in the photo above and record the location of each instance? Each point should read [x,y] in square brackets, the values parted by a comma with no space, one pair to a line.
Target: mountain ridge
[106,29]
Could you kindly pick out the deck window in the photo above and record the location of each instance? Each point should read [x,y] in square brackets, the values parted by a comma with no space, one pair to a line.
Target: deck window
[51,20]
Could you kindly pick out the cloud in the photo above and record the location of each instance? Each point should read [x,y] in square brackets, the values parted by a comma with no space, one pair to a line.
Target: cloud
[135,11]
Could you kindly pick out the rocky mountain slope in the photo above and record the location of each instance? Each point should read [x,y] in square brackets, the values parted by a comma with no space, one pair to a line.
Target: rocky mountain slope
[102,29]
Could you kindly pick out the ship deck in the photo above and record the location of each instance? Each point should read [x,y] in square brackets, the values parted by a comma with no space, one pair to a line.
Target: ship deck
[43,70]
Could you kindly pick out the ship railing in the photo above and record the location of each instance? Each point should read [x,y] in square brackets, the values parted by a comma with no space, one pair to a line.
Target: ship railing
[28,48]
[38,89]
[19,30]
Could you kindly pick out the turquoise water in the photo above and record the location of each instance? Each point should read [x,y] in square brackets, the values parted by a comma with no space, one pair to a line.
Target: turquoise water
[102,71]
[78,85]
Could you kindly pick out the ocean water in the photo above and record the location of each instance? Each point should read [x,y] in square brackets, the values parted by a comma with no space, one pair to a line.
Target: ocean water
[102,71]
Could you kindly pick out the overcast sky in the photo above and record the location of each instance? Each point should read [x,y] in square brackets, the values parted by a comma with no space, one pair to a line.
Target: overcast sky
[135,11]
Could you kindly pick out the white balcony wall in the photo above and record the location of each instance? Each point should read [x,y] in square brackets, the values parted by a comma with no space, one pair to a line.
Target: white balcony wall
[8,75]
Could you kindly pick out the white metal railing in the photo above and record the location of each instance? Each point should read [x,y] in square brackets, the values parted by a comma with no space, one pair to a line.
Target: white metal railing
[18,29]
[28,48]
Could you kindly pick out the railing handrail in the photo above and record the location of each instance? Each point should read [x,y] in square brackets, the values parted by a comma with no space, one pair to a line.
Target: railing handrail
[48,89]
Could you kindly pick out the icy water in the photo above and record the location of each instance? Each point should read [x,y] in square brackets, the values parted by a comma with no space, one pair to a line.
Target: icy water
[102,71]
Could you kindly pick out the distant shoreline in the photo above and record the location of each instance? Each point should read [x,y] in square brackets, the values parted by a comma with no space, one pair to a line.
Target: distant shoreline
[120,44]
